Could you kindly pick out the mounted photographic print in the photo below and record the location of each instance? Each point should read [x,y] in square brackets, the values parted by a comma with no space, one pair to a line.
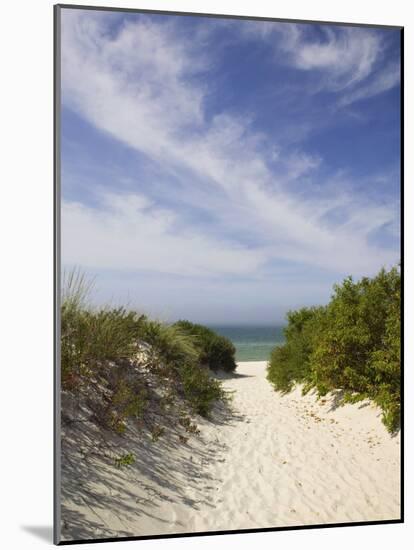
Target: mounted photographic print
[228,274]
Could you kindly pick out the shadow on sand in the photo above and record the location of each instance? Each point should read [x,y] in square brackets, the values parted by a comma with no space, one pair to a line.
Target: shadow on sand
[165,471]
[221,375]
[337,402]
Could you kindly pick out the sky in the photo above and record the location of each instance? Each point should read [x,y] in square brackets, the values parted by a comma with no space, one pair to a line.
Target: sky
[227,171]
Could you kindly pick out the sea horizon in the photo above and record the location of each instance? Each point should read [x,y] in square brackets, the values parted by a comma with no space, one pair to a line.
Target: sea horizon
[252,342]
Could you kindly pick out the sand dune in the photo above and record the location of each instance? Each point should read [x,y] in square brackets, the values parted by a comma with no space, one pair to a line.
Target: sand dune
[273,461]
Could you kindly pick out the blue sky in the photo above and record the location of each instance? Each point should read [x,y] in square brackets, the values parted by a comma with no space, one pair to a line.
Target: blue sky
[223,170]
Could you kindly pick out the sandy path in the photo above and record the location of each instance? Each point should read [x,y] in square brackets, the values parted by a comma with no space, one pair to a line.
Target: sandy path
[292,460]
[274,461]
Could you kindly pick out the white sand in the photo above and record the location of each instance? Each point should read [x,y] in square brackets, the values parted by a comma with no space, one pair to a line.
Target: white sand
[276,461]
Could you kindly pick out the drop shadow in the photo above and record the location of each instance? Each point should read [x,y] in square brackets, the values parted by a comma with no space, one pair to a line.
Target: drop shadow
[42,532]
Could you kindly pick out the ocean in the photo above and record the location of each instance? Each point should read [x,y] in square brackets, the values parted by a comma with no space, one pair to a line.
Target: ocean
[252,343]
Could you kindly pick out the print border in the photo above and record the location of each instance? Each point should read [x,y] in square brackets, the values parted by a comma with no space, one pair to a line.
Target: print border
[57,275]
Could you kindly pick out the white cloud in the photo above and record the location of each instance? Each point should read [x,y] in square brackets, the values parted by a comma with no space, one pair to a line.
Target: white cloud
[347,56]
[344,58]
[128,232]
[383,81]
[138,86]
[343,55]
[300,163]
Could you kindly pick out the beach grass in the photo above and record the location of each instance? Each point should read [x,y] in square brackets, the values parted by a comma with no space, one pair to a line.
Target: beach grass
[115,350]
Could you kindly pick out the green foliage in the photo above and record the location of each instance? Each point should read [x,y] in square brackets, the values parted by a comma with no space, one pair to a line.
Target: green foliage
[352,344]
[125,459]
[170,346]
[200,390]
[216,351]
[289,363]
[176,355]
[90,337]
[127,399]
[100,345]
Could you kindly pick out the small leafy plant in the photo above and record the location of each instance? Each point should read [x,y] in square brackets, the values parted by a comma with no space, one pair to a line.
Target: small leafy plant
[125,459]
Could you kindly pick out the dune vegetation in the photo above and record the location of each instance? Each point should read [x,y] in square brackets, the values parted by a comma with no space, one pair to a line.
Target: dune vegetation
[124,365]
[351,344]
[215,351]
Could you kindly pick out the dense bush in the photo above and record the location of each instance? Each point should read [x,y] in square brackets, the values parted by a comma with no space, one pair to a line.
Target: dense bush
[289,364]
[216,351]
[352,344]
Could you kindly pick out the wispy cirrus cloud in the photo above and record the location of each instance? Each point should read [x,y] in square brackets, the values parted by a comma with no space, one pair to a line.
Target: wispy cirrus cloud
[385,79]
[346,56]
[343,58]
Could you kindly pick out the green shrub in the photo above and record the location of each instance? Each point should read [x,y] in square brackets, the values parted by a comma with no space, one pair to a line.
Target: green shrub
[200,390]
[216,351]
[289,364]
[124,460]
[169,345]
[359,351]
[176,356]
[385,365]
[352,344]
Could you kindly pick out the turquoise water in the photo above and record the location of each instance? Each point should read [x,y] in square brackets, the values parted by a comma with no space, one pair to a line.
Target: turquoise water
[252,343]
